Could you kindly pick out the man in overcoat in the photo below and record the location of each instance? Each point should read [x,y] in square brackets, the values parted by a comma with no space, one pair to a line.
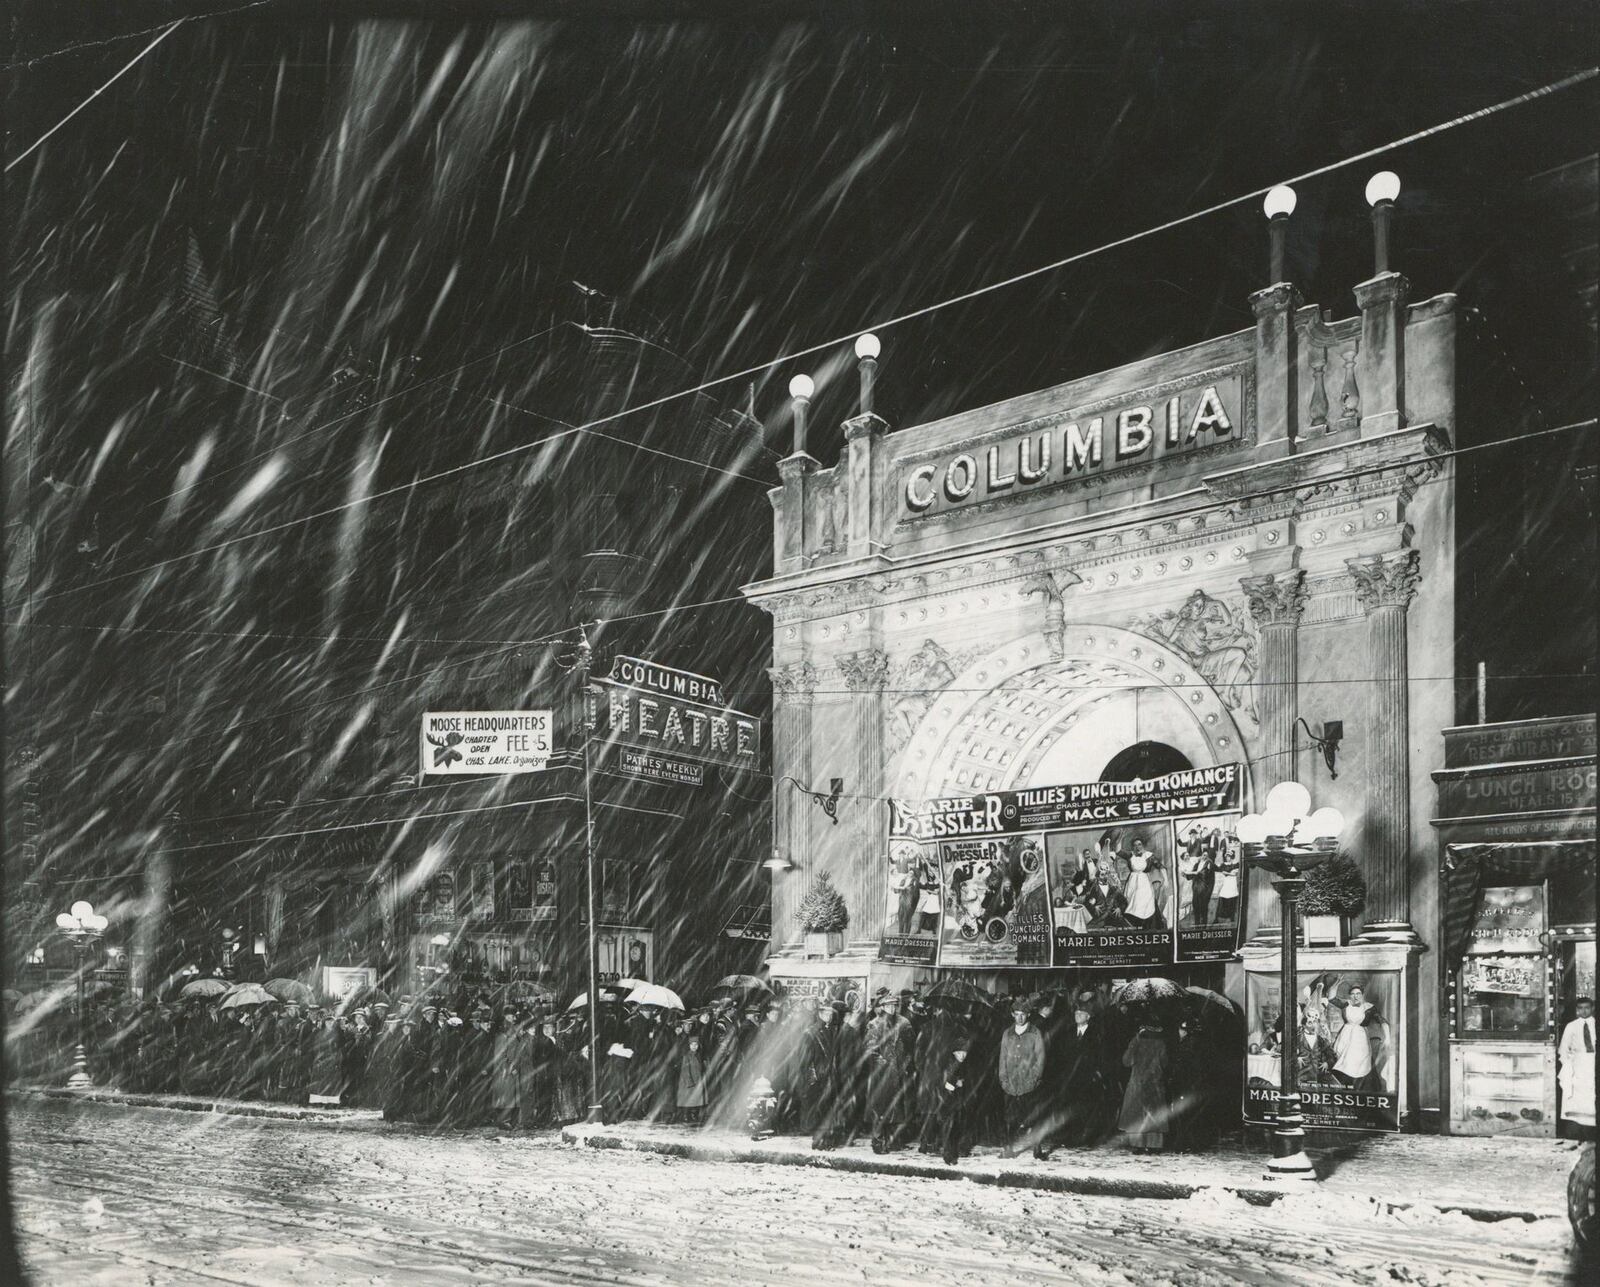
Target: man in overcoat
[891,1076]
[1021,1071]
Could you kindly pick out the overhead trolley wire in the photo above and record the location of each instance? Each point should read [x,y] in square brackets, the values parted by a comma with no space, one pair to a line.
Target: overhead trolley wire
[1455,122]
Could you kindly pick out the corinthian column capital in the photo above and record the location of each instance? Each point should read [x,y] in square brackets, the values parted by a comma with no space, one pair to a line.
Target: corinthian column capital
[794,683]
[866,671]
[1386,581]
[1276,600]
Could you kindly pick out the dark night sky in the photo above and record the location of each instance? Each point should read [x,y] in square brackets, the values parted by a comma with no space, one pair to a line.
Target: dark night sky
[761,187]
[366,192]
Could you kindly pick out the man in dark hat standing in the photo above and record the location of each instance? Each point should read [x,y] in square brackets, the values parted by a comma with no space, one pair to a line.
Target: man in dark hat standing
[890,1079]
[1022,1061]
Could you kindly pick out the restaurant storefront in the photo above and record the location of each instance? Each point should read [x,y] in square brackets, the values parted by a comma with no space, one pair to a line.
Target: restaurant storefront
[1517,922]
[1182,564]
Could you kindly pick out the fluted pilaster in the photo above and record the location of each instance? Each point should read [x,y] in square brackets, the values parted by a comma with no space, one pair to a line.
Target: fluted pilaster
[1385,584]
[867,674]
[792,690]
[1276,602]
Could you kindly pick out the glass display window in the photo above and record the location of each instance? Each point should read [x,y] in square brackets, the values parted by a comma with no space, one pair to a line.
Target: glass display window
[1503,996]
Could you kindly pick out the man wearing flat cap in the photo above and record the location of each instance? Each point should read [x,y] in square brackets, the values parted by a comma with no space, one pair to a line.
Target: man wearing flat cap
[1022,1058]
[891,1080]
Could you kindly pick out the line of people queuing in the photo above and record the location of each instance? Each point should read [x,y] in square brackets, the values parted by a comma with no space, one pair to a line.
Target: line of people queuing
[1033,1073]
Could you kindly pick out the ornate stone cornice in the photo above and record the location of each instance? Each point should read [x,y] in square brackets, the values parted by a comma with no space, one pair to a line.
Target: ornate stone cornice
[865,426]
[1275,600]
[795,683]
[865,671]
[1281,297]
[1388,464]
[1386,581]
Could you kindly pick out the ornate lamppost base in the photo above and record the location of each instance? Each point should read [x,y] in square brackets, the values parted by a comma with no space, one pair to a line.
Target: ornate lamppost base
[80,1071]
[1296,1168]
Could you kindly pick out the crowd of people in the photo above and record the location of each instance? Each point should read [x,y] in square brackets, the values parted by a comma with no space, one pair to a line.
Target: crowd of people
[941,1074]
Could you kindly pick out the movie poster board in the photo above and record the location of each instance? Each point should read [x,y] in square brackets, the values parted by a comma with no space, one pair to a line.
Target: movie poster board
[996,903]
[1348,1038]
[911,920]
[1210,887]
[1082,875]
[1112,895]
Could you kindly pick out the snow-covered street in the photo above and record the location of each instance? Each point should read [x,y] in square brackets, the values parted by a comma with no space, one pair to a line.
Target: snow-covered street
[109,1194]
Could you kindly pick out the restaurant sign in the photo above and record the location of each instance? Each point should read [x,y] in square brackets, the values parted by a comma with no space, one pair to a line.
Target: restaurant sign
[1085,442]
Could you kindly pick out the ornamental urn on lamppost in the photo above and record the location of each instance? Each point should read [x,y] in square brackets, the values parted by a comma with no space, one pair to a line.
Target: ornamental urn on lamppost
[84,927]
[1286,840]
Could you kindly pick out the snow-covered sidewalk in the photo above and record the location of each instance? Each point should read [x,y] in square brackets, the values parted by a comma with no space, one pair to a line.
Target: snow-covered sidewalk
[1486,1178]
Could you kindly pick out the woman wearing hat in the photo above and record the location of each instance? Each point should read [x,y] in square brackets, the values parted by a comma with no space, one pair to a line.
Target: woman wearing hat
[1146,1106]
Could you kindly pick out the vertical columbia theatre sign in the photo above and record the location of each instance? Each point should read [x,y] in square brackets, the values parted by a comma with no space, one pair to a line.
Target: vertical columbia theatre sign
[1096,439]
[667,723]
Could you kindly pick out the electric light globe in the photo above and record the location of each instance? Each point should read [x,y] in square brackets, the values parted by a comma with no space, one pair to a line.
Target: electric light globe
[1290,798]
[1252,829]
[1278,823]
[1326,823]
[867,346]
[1383,186]
[801,387]
[1280,201]
[82,910]
[65,921]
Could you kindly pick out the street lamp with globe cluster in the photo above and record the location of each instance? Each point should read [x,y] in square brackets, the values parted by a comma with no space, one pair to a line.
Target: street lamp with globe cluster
[84,927]
[1285,840]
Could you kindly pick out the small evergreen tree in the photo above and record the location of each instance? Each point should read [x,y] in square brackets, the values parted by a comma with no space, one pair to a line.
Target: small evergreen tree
[1334,888]
[822,910]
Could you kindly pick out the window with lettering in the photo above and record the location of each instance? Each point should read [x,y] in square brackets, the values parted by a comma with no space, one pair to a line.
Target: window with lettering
[1501,986]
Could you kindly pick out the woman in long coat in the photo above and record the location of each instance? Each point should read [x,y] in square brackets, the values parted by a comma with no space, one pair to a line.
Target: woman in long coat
[690,1075]
[505,1074]
[572,1079]
[1146,1109]
[538,1070]
[325,1051]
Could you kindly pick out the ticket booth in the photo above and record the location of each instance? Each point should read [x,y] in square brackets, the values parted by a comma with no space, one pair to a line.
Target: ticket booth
[1517,879]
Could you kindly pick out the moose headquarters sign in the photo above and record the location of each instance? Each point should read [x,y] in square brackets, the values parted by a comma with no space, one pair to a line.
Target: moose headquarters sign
[1093,874]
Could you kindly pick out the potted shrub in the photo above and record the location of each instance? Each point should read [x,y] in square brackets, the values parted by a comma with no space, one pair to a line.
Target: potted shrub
[823,917]
[1335,894]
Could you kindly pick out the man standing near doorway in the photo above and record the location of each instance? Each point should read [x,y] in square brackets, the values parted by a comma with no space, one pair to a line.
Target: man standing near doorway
[1575,1056]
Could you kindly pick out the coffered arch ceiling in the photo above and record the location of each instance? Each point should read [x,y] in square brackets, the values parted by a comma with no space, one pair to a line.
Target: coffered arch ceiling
[1022,716]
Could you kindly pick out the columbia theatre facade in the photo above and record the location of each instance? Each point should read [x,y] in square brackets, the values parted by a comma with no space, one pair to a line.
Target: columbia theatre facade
[1185,556]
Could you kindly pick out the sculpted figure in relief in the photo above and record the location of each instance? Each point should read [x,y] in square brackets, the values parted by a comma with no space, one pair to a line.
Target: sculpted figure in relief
[1216,641]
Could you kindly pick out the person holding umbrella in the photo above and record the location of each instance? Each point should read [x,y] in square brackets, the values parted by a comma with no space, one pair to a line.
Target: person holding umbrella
[1146,1104]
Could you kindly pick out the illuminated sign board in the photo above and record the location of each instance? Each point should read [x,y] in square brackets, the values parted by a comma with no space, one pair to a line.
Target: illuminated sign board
[1100,438]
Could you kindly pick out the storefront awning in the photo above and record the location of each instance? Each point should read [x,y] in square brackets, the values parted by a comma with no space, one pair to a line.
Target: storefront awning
[1469,867]
[751,923]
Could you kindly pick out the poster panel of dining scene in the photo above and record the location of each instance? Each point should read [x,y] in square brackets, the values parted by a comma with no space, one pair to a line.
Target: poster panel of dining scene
[1348,1050]
[1110,874]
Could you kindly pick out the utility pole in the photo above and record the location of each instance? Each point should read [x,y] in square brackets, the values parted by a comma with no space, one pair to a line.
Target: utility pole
[585,660]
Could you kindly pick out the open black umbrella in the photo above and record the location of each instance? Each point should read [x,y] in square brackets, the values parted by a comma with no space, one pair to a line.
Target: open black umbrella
[1147,992]
[958,994]
[1211,1006]
[744,984]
